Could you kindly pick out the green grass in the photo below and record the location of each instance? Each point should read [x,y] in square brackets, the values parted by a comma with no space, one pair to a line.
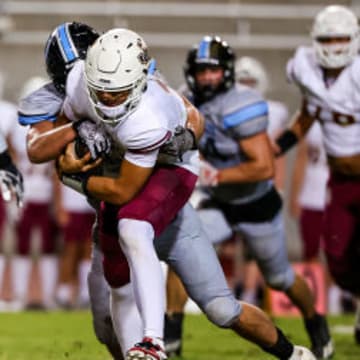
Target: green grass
[58,335]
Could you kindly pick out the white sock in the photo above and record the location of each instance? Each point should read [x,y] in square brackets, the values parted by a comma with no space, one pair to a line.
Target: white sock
[20,276]
[126,318]
[334,300]
[136,239]
[48,266]
[64,293]
[2,268]
[249,296]
[83,294]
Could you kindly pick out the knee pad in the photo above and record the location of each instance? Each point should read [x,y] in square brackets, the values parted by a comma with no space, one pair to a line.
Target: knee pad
[223,311]
[280,281]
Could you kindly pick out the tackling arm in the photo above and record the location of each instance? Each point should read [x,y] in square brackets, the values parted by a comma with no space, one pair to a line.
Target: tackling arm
[122,189]
[45,141]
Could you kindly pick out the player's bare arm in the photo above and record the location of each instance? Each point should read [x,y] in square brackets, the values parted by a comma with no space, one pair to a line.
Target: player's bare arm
[45,141]
[195,121]
[122,189]
[301,123]
[260,164]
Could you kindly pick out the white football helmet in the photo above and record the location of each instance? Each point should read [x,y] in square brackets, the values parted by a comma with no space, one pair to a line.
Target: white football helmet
[117,62]
[335,21]
[248,69]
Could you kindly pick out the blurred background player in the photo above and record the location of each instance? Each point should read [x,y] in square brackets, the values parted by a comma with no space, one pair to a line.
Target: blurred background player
[35,220]
[75,217]
[307,203]
[327,75]
[238,173]
[251,72]
[8,113]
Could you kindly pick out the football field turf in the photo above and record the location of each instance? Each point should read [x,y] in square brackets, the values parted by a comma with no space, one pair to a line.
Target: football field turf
[69,335]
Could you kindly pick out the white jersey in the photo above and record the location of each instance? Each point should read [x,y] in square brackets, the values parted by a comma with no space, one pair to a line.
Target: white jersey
[38,182]
[144,131]
[313,191]
[337,106]
[73,201]
[8,115]
[278,116]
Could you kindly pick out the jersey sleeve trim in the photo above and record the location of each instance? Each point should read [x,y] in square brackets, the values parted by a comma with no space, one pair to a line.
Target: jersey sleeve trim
[245,114]
[33,119]
[153,146]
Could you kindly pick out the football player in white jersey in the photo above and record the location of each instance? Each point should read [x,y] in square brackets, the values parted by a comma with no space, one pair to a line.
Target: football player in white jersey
[139,112]
[328,76]
[237,176]
[10,178]
[36,216]
[46,140]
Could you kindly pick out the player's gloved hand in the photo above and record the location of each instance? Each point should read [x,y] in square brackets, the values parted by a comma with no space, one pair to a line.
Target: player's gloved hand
[182,141]
[11,180]
[209,176]
[94,136]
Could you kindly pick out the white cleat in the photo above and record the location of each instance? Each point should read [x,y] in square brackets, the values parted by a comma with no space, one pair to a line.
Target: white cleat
[148,349]
[302,353]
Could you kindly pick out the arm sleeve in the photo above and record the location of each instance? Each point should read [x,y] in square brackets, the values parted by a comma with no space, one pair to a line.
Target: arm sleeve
[247,115]
[43,104]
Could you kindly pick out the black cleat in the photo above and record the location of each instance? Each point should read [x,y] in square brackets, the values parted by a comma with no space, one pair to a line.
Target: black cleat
[173,334]
[321,343]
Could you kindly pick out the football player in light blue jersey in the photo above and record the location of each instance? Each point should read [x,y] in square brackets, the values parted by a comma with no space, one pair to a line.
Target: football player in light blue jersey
[237,174]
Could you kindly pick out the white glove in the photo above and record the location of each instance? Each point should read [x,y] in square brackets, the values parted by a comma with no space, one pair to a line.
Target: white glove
[209,176]
[94,136]
[11,181]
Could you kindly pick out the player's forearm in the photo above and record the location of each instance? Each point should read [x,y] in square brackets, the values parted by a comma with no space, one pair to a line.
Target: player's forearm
[247,172]
[302,122]
[195,121]
[48,145]
[109,189]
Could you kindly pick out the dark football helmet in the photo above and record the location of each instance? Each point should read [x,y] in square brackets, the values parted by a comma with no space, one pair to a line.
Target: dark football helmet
[211,51]
[67,43]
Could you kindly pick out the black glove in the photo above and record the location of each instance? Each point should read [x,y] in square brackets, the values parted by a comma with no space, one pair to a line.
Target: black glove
[183,140]
[11,180]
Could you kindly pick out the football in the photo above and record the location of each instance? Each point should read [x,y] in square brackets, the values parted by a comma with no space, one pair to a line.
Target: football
[80,148]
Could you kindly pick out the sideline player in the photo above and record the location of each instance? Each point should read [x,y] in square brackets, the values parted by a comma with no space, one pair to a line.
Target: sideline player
[237,176]
[327,75]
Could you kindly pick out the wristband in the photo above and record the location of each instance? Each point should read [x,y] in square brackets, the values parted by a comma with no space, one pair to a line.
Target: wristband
[5,159]
[77,182]
[286,141]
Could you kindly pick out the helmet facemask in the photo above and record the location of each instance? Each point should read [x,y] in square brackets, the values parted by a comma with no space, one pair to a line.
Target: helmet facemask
[112,114]
[210,52]
[335,37]
[334,55]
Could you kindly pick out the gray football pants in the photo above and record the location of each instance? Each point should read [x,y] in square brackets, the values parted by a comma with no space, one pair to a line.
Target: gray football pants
[266,242]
